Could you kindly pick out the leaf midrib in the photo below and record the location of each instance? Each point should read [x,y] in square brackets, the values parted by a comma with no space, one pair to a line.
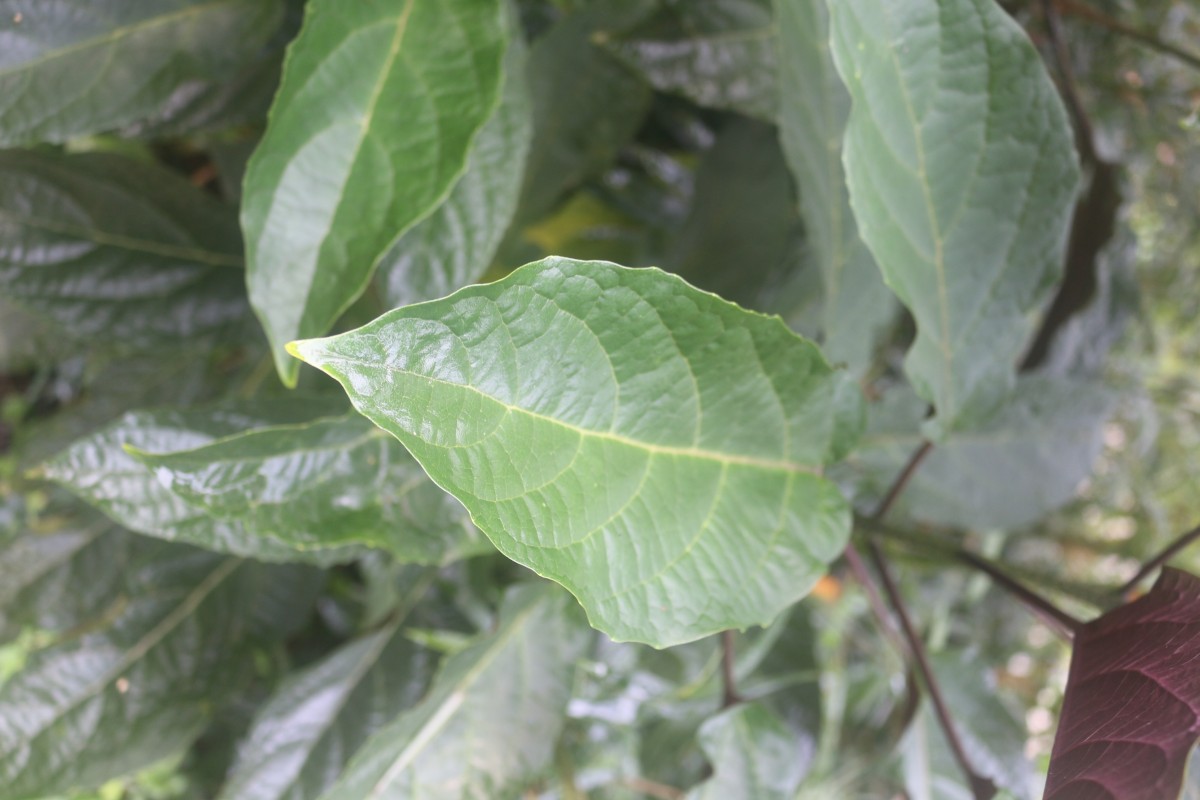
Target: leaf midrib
[654,449]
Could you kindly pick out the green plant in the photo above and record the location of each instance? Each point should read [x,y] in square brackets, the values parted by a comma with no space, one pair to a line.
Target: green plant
[792,484]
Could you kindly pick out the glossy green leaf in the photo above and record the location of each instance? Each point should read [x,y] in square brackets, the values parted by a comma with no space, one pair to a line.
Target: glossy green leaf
[961,169]
[743,213]
[303,736]
[455,245]
[317,486]
[101,472]
[813,109]
[753,754]
[116,251]
[718,54]
[586,104]
[655,449]
[72,67]
[1027,460]
[140,681]
[491,718]
[371,128]
[314,490]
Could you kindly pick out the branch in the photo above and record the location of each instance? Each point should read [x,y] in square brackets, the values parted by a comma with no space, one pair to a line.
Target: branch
[1070,89]
[729,692]
[1052,615]
[902,480]
[981,787]
[1084,11]
[882,617]
[1166,555]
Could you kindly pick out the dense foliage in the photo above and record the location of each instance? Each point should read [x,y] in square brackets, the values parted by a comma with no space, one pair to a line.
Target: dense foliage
[884,419]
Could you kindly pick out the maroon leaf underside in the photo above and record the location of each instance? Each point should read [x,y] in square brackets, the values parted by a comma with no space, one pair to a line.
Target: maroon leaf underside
[1131,712]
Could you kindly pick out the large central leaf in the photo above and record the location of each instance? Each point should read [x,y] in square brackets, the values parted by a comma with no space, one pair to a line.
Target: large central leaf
[653,448]
[961,172]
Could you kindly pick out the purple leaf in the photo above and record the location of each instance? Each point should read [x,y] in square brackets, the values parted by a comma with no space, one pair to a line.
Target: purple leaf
[1132,708]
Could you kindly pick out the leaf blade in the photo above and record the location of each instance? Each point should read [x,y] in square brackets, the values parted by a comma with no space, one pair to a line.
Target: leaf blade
[656,391]
[961,169]
[347,163]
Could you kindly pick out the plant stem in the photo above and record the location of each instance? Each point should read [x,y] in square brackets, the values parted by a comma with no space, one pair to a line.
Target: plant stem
[1084,11]
[981,787]
[898,485]
[1070,90]
[1052,615]
[1182,541]
[878,608]
[729,692]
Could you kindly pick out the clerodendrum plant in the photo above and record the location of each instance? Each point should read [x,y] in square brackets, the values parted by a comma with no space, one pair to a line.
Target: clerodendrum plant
[861,211]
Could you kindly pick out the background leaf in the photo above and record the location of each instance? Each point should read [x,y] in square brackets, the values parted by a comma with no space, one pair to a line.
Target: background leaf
[1027,460]
[320,486]
[116,251]
[653,448]
[719,54]
[491,718]
[753,755]
[1131,712]
[348,162]
[961,170]
[456,244]
[139,683]
[313,724]
[69,68]
[813,107]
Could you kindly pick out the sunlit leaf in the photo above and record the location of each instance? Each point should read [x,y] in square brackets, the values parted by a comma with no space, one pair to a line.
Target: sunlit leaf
[653,448]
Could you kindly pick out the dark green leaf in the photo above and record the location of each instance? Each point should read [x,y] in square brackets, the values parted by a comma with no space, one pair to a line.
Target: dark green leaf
[961,169]
[812,117]
[490,721]
[455,245]
[302,738]
[73,67]
[655,449]
[319,486]
[743,233]
[1027,460]
[99,470]
[372,125]
[719,54]
[586,104]
[116,251]
[753,755]
[139,685]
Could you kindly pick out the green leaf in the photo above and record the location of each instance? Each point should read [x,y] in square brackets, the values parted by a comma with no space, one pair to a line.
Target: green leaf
[101,471]
[371,128]
[742,213]
[719,54]
[115,250]
[139,684]
[586,104]
[961,169]
[812,118]
[753,755]
[69,68]
[318,486]
[455,246]
[653,448]
[491,718]
[1027,460]
[303,736]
